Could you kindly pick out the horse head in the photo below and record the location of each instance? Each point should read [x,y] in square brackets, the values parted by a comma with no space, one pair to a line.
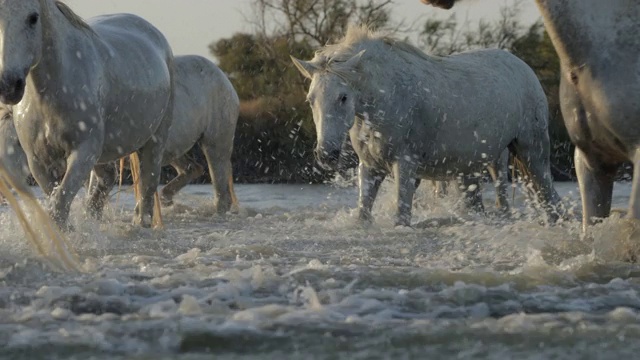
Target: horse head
[332,100]
[20,46]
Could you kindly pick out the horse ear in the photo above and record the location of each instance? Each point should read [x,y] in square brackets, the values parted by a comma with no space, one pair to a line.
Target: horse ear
[305,67]
[355,60]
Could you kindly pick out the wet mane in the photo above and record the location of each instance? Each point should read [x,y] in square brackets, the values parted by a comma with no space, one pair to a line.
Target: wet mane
[72,17]
[357,38]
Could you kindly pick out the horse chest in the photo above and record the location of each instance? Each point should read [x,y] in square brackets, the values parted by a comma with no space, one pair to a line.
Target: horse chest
[373,145]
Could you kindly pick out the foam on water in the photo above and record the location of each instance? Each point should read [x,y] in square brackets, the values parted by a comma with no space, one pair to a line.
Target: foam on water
[294,276]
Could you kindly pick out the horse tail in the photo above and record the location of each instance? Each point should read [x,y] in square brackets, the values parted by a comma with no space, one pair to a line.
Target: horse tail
[234,199]
[41,232]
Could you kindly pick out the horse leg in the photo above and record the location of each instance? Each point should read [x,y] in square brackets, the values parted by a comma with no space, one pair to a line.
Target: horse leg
[150,156]
[470,185]
[187,172]
[103,180]
[498,171]
[634,200]
[595,181]
[535,157]
[221,172]
[79,165]
[45,178]
[369,181]
[439,188]
[405,187]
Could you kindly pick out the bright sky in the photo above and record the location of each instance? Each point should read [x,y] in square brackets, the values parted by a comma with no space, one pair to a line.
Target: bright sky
[191,25]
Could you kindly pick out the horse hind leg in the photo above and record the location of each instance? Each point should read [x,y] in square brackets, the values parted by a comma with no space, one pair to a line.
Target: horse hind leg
[221,172]
[533,155]
[187,172]
[470,185]
[498,171]
[104,179]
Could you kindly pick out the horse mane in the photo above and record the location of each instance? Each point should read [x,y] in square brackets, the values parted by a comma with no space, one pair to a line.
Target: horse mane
[358,38]
[72,17]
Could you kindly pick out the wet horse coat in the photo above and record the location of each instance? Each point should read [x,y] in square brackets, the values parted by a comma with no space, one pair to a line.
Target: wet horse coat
[205,113]
[423,117]
[85,94]
[599,49]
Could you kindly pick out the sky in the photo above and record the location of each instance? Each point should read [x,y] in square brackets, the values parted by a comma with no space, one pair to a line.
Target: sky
[191,25]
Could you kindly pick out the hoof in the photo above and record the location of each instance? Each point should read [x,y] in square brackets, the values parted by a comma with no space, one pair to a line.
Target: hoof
[144,222]
[402,221]
[67,228]
[166,202]
[402,224]
[222,207]
[365,218]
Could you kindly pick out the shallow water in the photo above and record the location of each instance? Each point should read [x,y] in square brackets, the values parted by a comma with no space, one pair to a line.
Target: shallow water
[294,276]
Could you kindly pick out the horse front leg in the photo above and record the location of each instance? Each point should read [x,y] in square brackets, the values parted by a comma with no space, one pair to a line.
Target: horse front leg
[79,165]
[369,181]
[405,187]
[99,189]
[634,200]
[595,181]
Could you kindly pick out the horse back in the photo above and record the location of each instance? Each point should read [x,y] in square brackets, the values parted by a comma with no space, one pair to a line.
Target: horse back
[133,49]
[206,104]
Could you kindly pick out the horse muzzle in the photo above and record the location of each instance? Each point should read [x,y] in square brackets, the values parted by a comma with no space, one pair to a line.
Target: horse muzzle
[445,4]
[327,159]
[12,87]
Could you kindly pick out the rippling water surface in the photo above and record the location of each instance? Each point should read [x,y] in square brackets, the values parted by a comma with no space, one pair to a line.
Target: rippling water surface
[293,276]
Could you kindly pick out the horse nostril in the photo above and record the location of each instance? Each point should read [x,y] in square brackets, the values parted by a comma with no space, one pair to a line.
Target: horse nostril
[334,154]
[19,85]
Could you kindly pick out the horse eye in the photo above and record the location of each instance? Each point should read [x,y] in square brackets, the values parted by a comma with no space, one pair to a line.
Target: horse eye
[343,99]
[32,20]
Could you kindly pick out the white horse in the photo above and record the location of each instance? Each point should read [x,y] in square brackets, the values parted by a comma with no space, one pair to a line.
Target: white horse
[419,116]
[205,113]
[599,48]
[85,94]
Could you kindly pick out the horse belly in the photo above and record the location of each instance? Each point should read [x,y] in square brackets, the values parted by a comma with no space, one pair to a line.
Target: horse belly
[129,127]
[447,161]
[184,133]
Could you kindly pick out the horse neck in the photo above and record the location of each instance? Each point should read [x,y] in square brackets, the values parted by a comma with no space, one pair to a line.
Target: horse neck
[379,93]
[58,35]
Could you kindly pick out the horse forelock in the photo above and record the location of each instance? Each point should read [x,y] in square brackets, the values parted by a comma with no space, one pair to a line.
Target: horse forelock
[73,18]
[331,58]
